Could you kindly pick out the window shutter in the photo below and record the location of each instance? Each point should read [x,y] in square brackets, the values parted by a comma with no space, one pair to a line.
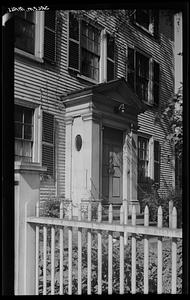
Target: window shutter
[156,22]
[131,68]
[156,162]
[156,82]
[48,142]
[74,53]
[110,58]
[50,36]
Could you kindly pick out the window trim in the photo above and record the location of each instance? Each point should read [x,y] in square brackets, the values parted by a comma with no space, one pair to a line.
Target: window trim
[36,157]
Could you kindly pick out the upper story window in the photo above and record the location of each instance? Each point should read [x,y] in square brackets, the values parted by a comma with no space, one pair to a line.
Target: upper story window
[143,75]
[147,19]
[91,51]
[35,35]
[24,133]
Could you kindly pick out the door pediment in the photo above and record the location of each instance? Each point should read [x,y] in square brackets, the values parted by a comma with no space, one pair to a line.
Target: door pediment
[114,93]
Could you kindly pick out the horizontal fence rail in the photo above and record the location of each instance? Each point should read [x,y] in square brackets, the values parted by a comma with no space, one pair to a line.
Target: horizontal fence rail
[87,256]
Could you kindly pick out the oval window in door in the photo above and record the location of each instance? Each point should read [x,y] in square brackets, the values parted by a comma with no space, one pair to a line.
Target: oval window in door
[78,142]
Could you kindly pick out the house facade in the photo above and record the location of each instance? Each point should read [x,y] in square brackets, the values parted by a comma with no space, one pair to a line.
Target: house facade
[87,91]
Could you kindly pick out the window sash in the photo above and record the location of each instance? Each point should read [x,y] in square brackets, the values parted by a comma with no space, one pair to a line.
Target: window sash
[143,159]
[24,133]
[25,34]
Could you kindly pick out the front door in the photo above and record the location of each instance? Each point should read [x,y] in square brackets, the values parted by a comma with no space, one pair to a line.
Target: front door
[112,162]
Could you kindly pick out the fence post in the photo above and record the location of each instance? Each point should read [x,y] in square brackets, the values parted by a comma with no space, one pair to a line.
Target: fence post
[170,213]
[27,193]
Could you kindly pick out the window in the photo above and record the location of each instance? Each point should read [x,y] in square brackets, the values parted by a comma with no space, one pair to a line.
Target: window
[143,76]
[87,45]
[25,31]
[148,20]
[143,159]
[48,151]
[24,133]
[148,160]
[35,34]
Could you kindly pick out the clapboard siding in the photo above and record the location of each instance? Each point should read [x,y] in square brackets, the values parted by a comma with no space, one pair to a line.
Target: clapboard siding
[43,84]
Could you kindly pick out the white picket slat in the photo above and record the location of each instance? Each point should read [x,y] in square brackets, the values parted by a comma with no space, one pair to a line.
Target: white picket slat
[159,251]
[79,253]
[89,252]
[133,256]
[52,260]
[37,248]
[110,227]
[99,251]
[121,262]
[146,251]
[110,252]
[70,232]
[61,252]
[174,253]
[44,259]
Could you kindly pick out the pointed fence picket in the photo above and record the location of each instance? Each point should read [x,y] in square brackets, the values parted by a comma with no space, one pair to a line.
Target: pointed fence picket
[122,229]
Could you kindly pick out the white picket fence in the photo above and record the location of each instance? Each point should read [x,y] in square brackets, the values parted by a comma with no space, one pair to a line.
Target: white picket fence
[68,231]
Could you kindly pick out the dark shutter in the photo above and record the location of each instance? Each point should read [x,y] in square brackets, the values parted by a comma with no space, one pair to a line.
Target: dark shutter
[156,82]
[110,58]
[130,68]
[156,162]
[156,22]
[74,58]
[50,36]
[48,143]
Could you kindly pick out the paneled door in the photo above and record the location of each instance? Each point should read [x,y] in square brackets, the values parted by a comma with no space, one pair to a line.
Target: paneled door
[112,162]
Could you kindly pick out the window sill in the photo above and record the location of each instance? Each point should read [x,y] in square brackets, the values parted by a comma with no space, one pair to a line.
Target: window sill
[87,79]
[28,55]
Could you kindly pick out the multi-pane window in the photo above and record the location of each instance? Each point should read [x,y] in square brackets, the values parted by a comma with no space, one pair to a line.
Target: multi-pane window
[35,34]
[25,31]
[143,76]
[90,51]
[24,136]
[85,55]
[143,159]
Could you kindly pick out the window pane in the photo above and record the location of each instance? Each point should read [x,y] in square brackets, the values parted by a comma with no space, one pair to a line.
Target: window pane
[18,149]
[142,17]
[27,149]
[28,116]
[18,113]
[28,132]
[131,59]
[25,35]
[18,130]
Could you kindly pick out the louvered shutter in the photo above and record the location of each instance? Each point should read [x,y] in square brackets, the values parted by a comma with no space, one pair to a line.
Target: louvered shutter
[156,82]
[74,53]
[48,142]
[156,162]
[131,68]
[50,36]
[110,58]
[156,23]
